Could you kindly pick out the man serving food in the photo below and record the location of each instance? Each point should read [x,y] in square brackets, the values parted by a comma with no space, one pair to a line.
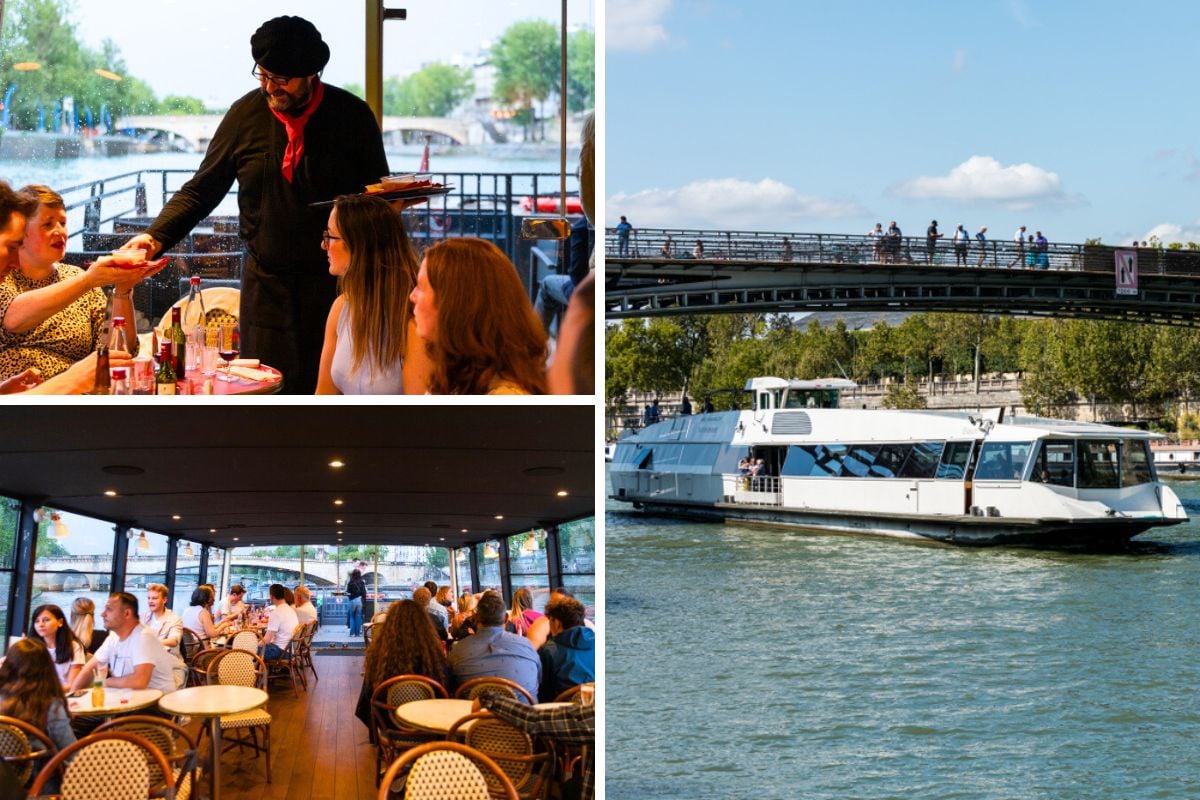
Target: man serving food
[292,142]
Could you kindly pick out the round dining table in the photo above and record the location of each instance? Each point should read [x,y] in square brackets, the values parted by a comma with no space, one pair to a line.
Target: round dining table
[435,716]
[116,701]
[213,701]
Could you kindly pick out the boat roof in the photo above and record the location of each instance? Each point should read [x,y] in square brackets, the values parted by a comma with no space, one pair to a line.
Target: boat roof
[816,383]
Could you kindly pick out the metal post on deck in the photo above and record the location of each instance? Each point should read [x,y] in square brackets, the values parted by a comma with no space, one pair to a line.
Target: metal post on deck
[376,16]
[25,559]
[301,565]
[375,607]
[120,556]
[172,569]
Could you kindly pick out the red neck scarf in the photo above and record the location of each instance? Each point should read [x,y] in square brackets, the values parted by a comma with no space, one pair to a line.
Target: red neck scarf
[295,130]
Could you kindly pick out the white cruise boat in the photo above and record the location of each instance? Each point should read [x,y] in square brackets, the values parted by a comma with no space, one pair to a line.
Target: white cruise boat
[949,476]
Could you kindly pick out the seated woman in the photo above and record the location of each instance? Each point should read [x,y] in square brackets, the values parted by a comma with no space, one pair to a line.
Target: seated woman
[31,691]
[371,345]
[83,624]
[521,616]
[50,625]
[463,624]
[404,644]
[478,324]
[197,617]
[52,314]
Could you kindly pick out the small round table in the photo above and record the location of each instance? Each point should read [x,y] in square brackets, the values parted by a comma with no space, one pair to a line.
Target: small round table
[243,386]
[436,716]
[116,701]
[214,702]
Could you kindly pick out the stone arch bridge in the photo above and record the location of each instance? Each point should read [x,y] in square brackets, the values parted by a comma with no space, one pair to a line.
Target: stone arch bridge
[198,129]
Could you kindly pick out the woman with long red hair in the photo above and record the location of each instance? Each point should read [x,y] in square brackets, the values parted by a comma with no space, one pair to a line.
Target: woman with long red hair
[479,327]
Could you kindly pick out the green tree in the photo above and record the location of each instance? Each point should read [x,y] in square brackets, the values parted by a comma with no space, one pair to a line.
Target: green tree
[902,395]
[581,71]
[434,91]
[177,104]
[526,58]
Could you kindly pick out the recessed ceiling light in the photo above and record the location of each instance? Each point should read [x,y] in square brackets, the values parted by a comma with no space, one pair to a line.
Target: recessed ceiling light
[176,516]
[339,522]
[442,539]
[340,533]
[214,530]
[235,538]
[110,493]
[338,501]
[561,493]
[464,530]
[337,463]
[499,516]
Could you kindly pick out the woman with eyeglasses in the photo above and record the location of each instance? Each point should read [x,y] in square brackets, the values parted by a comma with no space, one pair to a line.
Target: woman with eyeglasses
[478,324]
[371,343]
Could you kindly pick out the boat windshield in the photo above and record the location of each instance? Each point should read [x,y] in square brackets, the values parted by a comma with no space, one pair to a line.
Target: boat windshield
[1093,463]
[812,398]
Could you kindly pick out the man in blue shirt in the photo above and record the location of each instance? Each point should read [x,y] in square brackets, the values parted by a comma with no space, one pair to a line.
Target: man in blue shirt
[623,231]
[493,652]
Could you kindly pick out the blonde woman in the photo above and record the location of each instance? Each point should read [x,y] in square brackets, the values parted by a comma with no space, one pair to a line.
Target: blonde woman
[83,624]
[521,616]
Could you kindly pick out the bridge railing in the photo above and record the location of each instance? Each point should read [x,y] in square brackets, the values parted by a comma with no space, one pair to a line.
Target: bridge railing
[681,246]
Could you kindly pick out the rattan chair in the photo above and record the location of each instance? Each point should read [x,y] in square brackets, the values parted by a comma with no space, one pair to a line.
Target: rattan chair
[246,639]
[304,653]
[529,764]
[113,765]
[21,745]
[200,669]
[190,643]
[172,741]
[239,668]
[389,737]
[444,770]
[568,695]
[288,665]
[477,686]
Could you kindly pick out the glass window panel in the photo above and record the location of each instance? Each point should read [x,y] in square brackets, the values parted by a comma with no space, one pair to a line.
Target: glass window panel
[462,570]
[1056,463]
[800,460]
[1098,464]
[858,460]
[728,457]
[488,554]
[827,460]
[1003,461]
[527,565]
[1135,463]
[5,588]
[889,460]
[145,563]
[922,460]
[216,563]
[73,559]
[584,589]
[955,459]
[10,513]
[63,587]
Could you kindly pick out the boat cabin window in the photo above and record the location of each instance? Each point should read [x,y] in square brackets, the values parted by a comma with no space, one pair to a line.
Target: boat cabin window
[1135,462]
[915,460]
[1055,463]
[922,461]
[811,398]
[1003,461]
[955,460]
[1098,464]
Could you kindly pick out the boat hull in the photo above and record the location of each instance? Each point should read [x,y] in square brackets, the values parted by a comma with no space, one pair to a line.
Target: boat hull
[959,530]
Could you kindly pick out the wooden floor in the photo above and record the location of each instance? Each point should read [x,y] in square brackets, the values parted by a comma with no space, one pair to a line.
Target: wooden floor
[319,749]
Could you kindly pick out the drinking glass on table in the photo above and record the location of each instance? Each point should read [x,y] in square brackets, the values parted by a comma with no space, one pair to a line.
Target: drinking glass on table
[227,345]
[101,673]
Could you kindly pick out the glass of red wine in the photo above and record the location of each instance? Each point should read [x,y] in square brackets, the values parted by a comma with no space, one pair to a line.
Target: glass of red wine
[227,345]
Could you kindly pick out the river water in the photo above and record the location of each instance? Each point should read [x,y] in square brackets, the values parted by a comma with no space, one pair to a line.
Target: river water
[758,662]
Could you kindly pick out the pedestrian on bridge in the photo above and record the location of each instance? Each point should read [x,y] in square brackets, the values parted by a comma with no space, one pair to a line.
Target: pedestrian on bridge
[667,249]
[877,242]
[623,231]
[698,250]
[1042,245]
[981,237]
[961,240]
[1019,241]
[894,237]
[931,237]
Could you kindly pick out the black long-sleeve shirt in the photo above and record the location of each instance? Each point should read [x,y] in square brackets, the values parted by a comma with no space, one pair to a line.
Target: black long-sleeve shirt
[343,152]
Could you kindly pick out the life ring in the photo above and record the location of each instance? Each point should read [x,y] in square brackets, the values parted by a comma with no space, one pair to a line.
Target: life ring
[439,223]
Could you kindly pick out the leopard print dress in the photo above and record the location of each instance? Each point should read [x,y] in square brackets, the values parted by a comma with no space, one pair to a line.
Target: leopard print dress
[60,340]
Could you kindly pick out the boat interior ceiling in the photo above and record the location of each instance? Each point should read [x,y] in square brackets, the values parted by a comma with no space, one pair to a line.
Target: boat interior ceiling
[255,475]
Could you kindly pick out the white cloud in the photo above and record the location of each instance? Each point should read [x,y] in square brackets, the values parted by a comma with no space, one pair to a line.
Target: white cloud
[635,24]
[1021,14]
[1168,232]
[960,60]
[984,178]
[729,203]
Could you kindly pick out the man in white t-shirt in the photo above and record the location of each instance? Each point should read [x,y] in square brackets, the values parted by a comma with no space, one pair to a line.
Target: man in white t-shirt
[280,627]
[306,612]
[133,654]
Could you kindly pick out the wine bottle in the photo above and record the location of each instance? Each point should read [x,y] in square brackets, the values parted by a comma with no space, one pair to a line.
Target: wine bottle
[120,382]
[178,344]
[196,318]
[164,381]
[103,383]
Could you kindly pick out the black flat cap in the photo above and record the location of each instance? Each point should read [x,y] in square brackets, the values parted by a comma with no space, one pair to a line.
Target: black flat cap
[290,46]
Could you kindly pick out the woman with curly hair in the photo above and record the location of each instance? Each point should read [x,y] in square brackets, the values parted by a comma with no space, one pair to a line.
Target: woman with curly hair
[371,344]
[31,691]
[477,322]
[50,625]
[403,644]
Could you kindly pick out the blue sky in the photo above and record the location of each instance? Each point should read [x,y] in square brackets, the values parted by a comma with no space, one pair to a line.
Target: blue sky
[1073,118]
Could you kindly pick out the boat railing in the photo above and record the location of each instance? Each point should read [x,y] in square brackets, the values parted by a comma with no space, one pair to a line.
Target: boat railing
[755,490]
[103,214]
